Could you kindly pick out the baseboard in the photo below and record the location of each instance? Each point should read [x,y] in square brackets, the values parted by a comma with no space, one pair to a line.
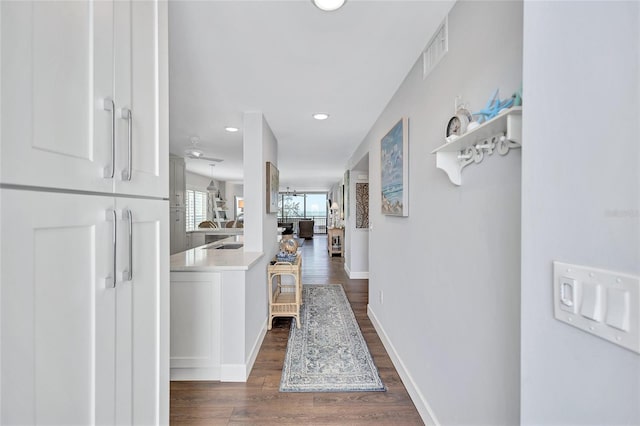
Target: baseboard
[195,374]
[423,407]
[233,373]
[256,348]
[363,275]
[240,372]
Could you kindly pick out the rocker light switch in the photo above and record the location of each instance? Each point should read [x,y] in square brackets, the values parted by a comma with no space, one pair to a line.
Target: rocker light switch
[591,306]
[618,309]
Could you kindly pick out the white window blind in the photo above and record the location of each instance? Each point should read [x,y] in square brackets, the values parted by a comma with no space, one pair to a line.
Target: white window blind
[196,209]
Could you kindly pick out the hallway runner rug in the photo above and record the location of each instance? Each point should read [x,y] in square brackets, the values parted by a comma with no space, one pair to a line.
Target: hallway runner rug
[328,353]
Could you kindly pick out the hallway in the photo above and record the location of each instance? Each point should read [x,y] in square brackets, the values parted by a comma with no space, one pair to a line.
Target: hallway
[259,401]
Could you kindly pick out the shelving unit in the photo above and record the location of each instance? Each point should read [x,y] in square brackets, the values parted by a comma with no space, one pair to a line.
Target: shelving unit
[219,206]
[501,133]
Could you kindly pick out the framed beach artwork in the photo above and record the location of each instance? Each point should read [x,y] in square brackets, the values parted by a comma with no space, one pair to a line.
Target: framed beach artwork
[273,185]
[394,170]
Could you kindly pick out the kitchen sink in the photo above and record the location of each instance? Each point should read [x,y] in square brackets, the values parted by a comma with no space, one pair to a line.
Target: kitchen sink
[229,246]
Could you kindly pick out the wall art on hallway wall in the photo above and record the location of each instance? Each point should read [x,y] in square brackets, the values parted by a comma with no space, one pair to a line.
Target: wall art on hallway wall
[394,169]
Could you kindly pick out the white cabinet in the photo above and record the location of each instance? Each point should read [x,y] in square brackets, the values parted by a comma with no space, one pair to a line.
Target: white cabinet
[177,192]
[177,229]
[81,82]
[177,182]
[75,349]
[196,326]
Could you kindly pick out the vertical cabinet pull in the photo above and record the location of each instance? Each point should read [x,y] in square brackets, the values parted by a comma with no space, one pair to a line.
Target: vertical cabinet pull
[113,217]
[128,273]
[109,105]
[125,113]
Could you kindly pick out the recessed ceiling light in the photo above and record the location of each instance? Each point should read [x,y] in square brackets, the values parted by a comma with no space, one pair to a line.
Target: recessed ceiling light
[231,129]
[321,116]
[328,5]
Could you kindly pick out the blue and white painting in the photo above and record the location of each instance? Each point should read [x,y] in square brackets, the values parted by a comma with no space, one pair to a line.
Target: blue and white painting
[394,170]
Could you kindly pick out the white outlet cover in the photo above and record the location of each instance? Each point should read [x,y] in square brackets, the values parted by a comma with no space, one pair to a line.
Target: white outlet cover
[605,303]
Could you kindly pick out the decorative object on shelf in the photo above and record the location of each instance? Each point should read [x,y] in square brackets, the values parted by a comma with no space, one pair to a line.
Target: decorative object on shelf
[501,133]
[458,124]
[288,245]
[394,168]
[273,185]
[286,257]
[493,107]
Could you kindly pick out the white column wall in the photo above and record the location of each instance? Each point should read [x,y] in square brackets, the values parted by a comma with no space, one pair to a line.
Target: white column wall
[260,229]
[581,201]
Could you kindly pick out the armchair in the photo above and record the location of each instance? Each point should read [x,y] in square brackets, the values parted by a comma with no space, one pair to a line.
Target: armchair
[305,229]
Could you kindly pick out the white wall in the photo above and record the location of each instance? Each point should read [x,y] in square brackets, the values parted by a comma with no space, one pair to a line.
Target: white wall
[260,232]
[581,201]
[356,240]
[450,271]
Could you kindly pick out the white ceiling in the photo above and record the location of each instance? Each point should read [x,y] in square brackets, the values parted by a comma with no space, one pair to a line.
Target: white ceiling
[289,60]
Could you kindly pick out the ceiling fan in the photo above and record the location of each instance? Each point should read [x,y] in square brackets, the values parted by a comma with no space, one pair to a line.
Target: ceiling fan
[196,153]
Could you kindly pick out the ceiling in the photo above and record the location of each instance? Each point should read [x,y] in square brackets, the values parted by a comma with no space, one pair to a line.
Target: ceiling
[289,60]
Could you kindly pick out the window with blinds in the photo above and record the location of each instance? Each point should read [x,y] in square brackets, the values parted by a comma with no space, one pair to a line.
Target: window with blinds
[196,209]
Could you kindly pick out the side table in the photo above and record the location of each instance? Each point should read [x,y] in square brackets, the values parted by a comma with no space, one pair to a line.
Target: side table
[335,241]
[285,299]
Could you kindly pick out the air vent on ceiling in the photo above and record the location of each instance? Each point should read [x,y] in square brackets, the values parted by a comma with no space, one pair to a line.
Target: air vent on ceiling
[438,46]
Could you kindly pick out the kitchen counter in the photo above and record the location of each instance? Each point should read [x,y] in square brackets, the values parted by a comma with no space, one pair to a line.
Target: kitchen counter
[208,259]
[218,311]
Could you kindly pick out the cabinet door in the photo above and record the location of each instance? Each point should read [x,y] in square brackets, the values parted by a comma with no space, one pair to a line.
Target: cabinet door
[142,313]
[57,69]
[58,318]
[141,87]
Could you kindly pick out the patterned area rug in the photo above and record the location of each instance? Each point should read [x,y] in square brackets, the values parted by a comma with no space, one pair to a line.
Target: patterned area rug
[328,353]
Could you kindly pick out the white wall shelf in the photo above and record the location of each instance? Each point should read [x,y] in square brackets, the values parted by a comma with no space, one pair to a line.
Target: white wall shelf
[219,206]
[501,133]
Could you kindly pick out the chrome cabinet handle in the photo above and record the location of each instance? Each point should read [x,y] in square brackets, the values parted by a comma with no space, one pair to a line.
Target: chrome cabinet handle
[125,113]
[127,275]
[113,217]
[109,105]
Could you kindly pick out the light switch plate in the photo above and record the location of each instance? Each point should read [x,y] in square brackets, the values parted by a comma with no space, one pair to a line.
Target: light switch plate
[600,302]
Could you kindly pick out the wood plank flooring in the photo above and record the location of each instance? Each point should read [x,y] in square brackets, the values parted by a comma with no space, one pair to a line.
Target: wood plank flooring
[258,402]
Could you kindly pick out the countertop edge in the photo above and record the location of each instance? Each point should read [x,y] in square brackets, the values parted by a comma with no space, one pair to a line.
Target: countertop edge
[251,259]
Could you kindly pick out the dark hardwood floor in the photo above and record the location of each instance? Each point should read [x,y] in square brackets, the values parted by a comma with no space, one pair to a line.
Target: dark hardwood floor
[258,402]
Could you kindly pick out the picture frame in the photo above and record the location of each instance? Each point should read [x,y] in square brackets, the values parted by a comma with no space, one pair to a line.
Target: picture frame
[273,186]
[362,205]
[394,170]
